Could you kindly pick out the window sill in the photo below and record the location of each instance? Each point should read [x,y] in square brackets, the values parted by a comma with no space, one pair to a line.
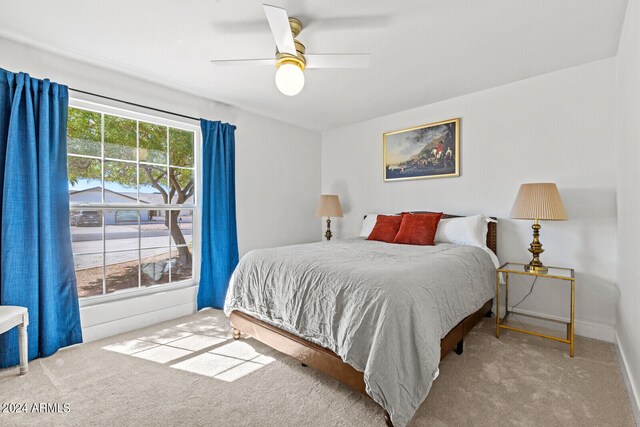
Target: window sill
[134,293]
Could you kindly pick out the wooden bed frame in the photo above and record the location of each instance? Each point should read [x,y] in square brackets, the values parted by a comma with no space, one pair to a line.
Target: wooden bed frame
[330,363]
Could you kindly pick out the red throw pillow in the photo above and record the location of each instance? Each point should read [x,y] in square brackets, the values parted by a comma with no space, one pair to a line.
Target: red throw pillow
[418,229]
[386,228]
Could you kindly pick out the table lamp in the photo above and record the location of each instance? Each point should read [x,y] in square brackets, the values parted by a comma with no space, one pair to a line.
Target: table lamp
[329,206]
[538,201]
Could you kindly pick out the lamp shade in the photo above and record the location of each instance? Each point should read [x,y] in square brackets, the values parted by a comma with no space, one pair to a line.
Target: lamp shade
[539,201]
[329,206]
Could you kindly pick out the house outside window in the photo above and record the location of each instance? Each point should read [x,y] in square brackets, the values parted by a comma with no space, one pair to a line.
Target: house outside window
[133,199]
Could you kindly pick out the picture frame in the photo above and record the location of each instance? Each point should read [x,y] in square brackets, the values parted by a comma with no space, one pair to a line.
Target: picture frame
[422,152]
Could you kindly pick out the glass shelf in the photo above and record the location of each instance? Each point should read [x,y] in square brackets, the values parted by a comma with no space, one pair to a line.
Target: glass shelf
[554,272]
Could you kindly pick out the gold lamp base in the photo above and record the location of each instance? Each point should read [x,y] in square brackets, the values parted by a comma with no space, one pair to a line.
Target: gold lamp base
[536,266]
[328,234]
[540,269]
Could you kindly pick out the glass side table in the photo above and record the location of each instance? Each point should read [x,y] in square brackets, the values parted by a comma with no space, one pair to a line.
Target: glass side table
[564,274]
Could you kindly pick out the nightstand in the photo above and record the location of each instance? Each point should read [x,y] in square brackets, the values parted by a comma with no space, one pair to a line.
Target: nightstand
[559,273]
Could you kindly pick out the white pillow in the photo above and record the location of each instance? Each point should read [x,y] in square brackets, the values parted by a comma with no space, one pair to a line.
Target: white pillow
[467,230]
[368,223]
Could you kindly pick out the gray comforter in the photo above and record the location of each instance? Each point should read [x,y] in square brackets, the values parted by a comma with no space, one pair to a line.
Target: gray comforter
[383,308]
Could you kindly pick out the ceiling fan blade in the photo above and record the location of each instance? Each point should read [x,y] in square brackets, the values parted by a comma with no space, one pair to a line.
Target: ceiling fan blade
[279,23]
[355,60]
[345,23]
[235,62]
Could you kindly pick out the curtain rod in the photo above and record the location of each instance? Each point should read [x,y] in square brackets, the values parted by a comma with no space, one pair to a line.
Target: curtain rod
[135,105]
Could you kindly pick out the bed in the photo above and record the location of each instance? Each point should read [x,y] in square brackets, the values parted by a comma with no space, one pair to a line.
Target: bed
[376,316]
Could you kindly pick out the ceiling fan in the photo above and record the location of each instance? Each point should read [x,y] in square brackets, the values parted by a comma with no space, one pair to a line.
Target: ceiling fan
[291,60]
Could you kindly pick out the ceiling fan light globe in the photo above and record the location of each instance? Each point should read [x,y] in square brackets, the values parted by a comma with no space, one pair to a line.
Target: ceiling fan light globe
[289,79]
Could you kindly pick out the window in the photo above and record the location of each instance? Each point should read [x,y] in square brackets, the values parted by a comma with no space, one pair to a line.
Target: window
[132,191]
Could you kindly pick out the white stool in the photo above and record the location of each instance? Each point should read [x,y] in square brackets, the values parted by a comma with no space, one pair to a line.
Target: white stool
[10,317]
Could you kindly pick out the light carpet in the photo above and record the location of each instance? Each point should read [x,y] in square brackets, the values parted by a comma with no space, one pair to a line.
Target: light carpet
[190,372]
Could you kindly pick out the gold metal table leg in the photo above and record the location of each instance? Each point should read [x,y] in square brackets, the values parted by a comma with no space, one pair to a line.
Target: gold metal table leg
[506,297]
[573,307]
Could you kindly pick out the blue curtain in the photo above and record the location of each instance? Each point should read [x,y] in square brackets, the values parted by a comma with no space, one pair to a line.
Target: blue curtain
[219,232]
[36,261]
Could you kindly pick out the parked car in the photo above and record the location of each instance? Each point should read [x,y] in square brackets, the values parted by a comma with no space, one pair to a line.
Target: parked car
[86,218]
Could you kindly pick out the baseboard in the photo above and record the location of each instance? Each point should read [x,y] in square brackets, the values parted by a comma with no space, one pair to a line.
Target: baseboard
[584,328]
[633,389]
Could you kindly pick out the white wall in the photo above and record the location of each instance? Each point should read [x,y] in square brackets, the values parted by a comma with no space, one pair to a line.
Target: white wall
[628,155]
[557,127]
[277,173]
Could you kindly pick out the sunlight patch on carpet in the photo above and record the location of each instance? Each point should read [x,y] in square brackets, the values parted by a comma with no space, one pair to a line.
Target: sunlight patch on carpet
[204,347]
[227,363]
[162,354]
[130,346]
[197,342]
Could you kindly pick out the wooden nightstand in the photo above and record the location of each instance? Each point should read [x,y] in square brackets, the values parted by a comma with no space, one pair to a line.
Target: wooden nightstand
[564,274]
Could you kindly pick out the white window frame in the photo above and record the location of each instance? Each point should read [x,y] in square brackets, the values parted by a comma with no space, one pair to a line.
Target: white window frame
[196,206]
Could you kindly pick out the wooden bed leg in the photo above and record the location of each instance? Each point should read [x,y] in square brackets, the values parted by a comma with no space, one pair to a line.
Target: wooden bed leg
[236,334]
[460,347]
[387,419]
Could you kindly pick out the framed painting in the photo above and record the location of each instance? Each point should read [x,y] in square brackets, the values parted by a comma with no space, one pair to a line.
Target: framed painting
[427,151]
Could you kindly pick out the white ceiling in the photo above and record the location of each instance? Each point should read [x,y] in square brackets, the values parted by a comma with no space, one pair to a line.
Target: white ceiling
[422,51]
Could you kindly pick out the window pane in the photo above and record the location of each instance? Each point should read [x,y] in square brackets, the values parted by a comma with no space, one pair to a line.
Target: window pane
[119,138]
[86,230]
[121,229]
[154,232]
[148,164]
[182,185]
[85,179]
[121,270]
[181,263]
[88,274]
[84,133]
[153,184]
[155,266]
[181,227]
[121,181]
[180,147]
[153,143]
